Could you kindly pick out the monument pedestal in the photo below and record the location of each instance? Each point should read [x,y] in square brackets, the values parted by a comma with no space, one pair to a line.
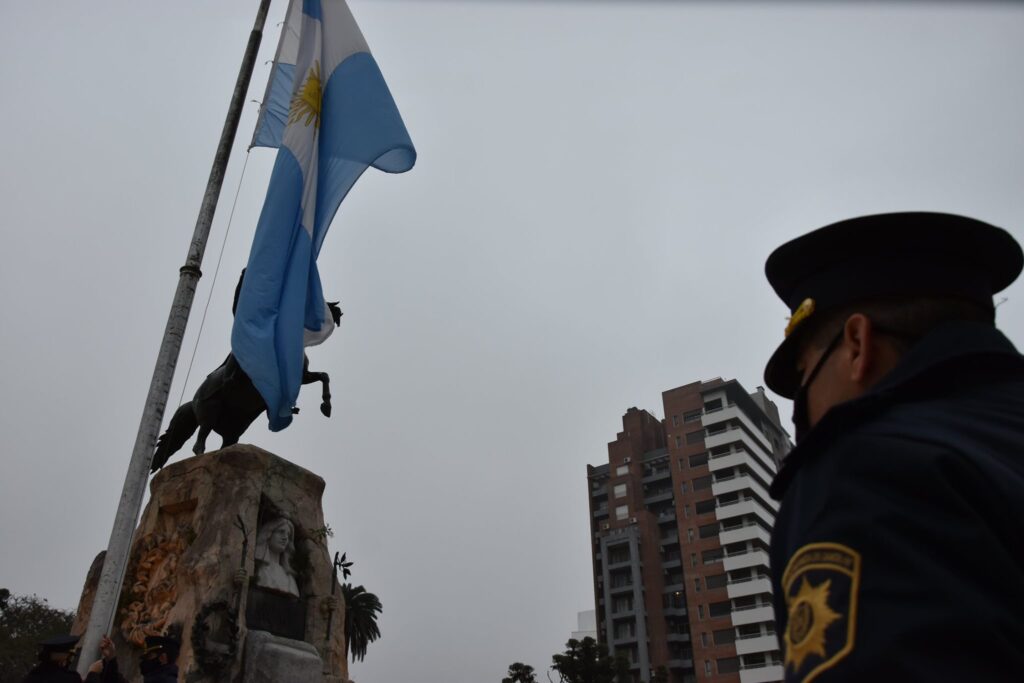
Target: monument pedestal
[184,579]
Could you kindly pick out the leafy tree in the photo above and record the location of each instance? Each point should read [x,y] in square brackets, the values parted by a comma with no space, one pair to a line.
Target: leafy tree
[520,673]
[24,621]
[587,661]
[361,610]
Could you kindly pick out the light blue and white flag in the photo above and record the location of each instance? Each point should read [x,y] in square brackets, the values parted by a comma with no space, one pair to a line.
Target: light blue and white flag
[330,113]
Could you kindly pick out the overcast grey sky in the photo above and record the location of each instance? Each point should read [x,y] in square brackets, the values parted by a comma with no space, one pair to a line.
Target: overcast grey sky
[597,188]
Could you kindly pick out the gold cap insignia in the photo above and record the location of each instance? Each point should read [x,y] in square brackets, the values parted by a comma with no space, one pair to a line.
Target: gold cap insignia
[803,311]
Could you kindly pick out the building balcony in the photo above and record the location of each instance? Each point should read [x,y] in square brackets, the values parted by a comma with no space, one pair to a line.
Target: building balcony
[733,412]
[744,483]
[674,611]
[600,512]
[745,587]
[747,506]
[678,637]
[624,588]
[736,435]
[659,475]
[746,560]
[762,674]
[671,563]
[727,461]
[744,533]
[753,615]
[674,588]
[658,496]
[754,644]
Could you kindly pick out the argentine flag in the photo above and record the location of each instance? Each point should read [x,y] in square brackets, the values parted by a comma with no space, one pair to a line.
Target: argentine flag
[331,115]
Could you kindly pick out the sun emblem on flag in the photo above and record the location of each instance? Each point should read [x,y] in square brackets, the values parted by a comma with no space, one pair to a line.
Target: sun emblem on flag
[809,616]
[306,101]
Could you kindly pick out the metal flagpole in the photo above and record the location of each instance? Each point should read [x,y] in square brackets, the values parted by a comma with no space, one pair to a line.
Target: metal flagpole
[108,591]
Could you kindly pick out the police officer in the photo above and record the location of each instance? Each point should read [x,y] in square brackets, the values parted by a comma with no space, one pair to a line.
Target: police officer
[159,660]
[55,657]
[898,550]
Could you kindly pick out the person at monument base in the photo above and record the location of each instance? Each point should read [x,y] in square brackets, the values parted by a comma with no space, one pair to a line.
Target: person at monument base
[105,670]
[896,554]
[159,660]
[55,657]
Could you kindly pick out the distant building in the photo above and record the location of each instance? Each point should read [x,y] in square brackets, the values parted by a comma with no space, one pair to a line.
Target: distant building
[586,625]
[680,526]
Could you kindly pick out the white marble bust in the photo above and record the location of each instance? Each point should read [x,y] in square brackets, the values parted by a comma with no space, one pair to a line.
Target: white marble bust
[275,545]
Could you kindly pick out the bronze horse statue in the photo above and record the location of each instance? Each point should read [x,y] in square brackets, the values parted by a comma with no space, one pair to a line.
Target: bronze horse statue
[227,402]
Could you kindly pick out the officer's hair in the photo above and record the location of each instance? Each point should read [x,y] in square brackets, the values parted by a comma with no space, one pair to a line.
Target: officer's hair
[904,319]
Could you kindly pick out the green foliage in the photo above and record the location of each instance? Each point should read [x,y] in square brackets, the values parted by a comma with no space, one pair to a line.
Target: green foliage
[587,661]
[520,673]
[24,621]
[361,610]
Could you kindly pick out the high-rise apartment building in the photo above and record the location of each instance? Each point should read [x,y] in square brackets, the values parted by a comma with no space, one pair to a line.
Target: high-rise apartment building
[680,525]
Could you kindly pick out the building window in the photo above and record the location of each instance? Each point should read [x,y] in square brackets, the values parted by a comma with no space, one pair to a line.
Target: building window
[725,636]
[720,428]
[701,483]
[689,535]
[707,667]
[675,420]
[709,530]
[621,470]
[679,442]
[682,487]
[695,437]
[622,512]
[618,553]
[729,665]
[713,405]
[693,559]
[696,585]
[700,611]
[620,490]
[712,556]
[717,581]
[686,511]
[698,460]
[719,609]
[703,639]
[705,506]
[692,416]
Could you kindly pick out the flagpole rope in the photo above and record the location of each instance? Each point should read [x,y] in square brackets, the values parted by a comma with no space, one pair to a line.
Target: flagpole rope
[213,282]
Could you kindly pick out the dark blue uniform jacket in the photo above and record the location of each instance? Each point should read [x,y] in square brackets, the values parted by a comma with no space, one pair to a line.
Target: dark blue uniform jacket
[898,551]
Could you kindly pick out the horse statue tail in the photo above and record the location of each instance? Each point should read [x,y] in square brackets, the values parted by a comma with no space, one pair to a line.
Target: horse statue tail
[182,426]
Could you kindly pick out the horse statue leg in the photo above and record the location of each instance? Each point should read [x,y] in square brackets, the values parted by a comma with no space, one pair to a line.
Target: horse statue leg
[200,447]
[310,377]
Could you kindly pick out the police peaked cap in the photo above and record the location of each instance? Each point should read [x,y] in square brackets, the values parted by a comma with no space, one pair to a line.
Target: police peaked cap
[878,256]
[162,644]
[63,643]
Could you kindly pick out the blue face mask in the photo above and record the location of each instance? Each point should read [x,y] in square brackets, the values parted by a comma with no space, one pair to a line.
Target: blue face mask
[801,420]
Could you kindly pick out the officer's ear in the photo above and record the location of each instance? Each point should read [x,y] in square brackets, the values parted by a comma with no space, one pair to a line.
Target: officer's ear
[857,348]
[870,356]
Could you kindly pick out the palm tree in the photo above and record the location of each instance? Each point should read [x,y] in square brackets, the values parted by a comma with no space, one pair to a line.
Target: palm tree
[520,673]
[361,610]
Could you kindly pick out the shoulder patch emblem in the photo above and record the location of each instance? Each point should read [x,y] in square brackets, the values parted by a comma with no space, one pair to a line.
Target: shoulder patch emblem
[820,585]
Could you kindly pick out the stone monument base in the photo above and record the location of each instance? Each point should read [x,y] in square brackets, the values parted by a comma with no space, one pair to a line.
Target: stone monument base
[195,564]
[273,659]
